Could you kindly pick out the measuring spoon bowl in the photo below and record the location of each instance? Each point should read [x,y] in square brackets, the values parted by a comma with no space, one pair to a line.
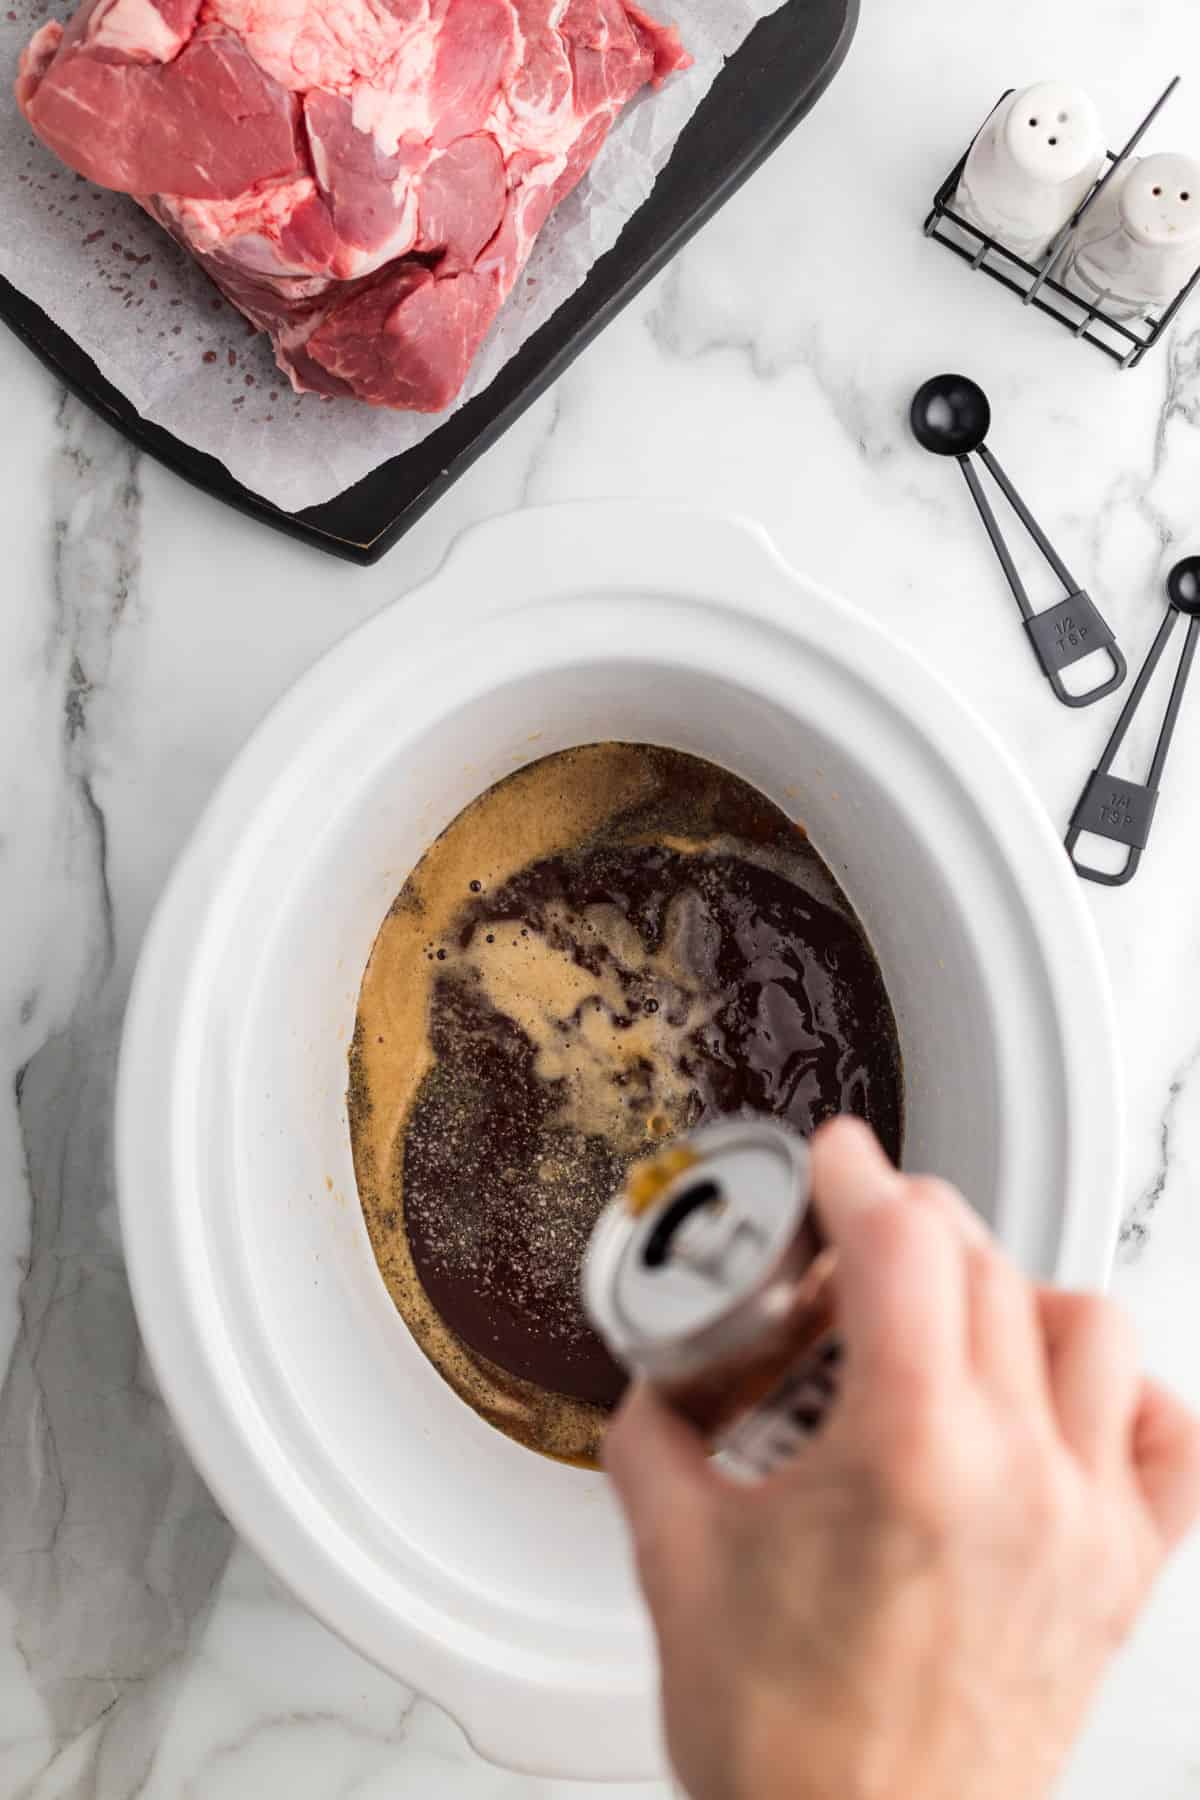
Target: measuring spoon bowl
[950,415]
[1183,587]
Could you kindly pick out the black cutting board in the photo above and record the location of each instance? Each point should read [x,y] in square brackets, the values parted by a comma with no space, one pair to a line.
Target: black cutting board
[765,89]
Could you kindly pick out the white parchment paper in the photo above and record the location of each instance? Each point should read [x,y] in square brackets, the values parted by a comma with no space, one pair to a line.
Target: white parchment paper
[157,329]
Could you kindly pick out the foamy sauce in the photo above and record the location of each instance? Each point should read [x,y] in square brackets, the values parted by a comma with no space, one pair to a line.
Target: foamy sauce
[608,948]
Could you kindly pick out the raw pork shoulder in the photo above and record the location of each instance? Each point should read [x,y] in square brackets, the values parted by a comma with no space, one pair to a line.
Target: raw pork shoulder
[363,178]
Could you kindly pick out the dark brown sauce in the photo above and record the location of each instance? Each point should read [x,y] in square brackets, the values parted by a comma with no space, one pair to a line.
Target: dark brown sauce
[689,957]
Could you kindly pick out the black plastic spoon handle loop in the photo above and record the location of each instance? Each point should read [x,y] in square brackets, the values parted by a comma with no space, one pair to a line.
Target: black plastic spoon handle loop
[1123,811]
[1070,629]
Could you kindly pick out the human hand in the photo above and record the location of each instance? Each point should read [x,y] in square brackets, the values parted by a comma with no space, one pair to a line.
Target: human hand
[921,1604]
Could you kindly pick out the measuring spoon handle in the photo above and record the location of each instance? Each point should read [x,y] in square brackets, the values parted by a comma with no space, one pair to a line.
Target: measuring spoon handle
[1123,811]
[1070,629]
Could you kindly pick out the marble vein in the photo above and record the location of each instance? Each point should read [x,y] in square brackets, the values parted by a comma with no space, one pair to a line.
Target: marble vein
[228,1766]
[1182,397]
[687,324]
[109,1545]
[1135,1228]
[144,632]
[544,445]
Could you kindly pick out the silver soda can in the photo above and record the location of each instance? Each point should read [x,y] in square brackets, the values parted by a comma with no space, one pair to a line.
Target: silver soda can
[707,1278]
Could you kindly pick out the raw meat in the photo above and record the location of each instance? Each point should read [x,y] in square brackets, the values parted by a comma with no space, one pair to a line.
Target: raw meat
[363,178]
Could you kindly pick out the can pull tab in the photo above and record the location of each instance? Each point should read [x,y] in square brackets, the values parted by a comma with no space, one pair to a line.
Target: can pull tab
[700,1229]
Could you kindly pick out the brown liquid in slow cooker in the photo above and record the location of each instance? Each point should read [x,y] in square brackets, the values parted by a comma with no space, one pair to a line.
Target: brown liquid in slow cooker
[609,947]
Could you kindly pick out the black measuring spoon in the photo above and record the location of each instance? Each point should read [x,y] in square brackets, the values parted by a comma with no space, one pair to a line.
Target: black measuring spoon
[1124,810]
[951,416]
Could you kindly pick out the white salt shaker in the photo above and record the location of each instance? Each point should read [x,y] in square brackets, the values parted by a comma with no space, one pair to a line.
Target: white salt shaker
[1140,244]
[1032,166]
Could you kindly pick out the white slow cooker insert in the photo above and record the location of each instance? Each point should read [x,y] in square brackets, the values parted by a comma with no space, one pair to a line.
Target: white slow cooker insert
[493,1580]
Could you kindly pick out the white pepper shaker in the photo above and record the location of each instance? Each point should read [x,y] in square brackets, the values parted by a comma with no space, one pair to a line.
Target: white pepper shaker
[1140,244]
[1032,166]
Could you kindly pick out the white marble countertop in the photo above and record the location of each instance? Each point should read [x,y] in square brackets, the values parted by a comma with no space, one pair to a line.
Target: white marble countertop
[142,1650]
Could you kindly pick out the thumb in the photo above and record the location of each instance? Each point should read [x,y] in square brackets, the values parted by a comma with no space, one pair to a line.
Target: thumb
[665,1483]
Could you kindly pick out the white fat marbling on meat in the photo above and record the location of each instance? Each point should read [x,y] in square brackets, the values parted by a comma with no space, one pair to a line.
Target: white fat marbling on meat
[331,44]
[212,225]
[398,102]
[137,28]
